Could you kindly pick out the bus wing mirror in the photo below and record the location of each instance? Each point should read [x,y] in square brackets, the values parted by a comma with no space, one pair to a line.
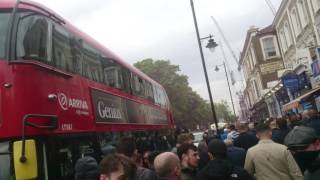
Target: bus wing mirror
[27,169]
[52,124]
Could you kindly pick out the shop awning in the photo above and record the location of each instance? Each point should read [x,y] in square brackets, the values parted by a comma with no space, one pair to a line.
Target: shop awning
[291,105]
[296,102]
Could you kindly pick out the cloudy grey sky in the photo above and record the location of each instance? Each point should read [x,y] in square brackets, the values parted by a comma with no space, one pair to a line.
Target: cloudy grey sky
[164,29]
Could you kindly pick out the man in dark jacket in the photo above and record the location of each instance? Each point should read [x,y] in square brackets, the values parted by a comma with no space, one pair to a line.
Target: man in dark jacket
[236,155]
[305,143]
[219,168]
[312,119]
[203,154]
[244,140]
[280,132]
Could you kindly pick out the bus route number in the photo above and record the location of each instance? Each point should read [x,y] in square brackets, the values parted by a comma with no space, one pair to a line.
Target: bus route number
[66,127]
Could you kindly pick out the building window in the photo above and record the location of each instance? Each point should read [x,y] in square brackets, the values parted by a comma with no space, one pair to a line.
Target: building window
[295,22]
[287,34]
[244,70]
[251,97]
[283,41]
[303,14]
[316,5]
[250,61]
[253,56]
[260,85]
[256,90]
[247,100]
[269,47]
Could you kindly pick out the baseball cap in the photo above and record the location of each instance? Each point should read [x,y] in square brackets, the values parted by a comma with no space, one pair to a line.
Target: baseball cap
[300,137]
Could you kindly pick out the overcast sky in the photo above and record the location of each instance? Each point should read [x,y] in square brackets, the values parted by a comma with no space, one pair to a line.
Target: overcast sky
[164,29]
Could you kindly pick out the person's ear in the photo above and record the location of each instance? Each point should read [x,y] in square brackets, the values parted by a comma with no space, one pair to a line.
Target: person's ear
[183,156]
[136,153]
[317,144]
[103,177]
[177,171]
[210,155]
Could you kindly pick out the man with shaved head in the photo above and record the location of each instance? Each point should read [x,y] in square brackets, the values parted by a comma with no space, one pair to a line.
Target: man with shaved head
[167,166]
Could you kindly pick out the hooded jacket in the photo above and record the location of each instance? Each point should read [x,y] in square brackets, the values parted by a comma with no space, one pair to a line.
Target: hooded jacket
[221,169]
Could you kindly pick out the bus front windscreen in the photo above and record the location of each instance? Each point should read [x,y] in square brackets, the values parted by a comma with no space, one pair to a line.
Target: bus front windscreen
[4,20]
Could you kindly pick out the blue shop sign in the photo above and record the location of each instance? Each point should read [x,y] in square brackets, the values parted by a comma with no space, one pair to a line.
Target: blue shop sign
[295,82]
[315,66]
[291,81]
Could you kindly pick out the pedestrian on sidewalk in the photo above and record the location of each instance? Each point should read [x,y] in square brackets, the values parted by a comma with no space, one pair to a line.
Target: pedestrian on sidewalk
[244,140]
[304,142]
[269,160]
[219,167]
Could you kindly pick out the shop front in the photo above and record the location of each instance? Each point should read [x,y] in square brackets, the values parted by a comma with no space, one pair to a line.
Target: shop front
[259,112]
[298,87]
[309,100]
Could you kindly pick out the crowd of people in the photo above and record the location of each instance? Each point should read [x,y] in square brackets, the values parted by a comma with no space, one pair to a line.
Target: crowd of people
[277,149]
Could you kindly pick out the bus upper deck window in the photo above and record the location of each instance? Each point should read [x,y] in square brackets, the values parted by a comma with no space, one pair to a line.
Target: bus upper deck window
[112,73]
[4,19]
[91,63]
[62,48]
[32,37]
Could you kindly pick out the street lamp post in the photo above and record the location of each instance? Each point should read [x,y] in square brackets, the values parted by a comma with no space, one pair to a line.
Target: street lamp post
[204,64]
[225,70]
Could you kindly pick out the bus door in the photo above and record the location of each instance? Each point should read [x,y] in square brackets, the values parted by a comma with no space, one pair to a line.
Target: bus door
[64,151]
[5,161]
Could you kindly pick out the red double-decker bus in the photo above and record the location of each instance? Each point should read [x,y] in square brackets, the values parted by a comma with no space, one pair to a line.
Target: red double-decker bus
[63,94]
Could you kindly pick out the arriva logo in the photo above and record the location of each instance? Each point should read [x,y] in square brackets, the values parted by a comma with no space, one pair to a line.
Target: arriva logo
[66,103]
[63,101]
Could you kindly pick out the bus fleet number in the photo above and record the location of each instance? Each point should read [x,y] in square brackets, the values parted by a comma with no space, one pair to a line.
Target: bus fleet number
[66,127]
